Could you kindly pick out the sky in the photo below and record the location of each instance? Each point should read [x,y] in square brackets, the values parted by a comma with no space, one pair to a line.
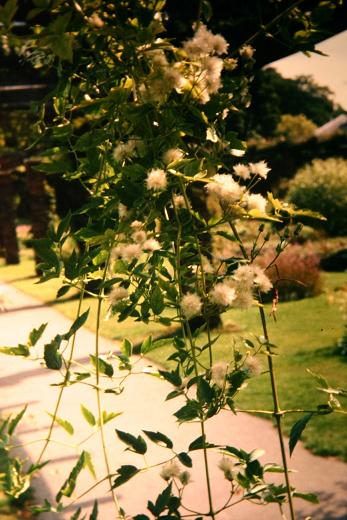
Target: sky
[330,71]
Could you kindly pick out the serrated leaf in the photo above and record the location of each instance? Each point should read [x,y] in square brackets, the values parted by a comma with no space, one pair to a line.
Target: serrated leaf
[163,500]
[185,459]
[188,412]
[125,473]
[296,431]
[14,422]
[69,485]
[104,367]
[66,425]
[36,334]
[87,414]
[136,444]
[199,444]
[52,356]
[159,438]
[21,350]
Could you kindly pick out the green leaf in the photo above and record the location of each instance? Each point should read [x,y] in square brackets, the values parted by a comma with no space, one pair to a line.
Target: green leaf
[188,412]
[94,513]
[146,345]
[159,438]
[52,357]
[36,334]
[296,431]
[310,497]
[320,379]
[126,347]
[13,423]
[157,301]
[64,289]
[69,485]
[7,12]
[162,500]
[77,324]
[104,367]
[76,514]
[60,45]
[108,416]
[173,377]
[205,393]
[185,459]
[199,444]
[125,473]
[136,444]
[89,464]
[63,423]
[87,414]
[64,225]
[21,350]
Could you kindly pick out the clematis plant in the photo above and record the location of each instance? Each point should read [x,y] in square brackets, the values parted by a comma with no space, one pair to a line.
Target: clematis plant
[146,126]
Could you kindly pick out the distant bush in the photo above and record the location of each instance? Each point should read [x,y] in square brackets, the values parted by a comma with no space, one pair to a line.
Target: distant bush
[322,186]
[295,129]
[295,273]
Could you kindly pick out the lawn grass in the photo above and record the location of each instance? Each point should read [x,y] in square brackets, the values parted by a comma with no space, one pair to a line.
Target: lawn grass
[305,332]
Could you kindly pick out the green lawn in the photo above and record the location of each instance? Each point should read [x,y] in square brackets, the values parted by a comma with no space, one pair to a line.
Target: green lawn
[305,332]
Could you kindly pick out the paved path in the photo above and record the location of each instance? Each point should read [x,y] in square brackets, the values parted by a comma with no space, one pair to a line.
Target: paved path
[143,406]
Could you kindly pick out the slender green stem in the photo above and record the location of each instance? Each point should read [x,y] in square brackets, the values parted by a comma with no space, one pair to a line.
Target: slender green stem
[264,29]
[64,385]
[98,391]
[186,328]
[277,411]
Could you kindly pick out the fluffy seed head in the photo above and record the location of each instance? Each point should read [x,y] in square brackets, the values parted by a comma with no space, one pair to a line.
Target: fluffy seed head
[222,294]
[219,372]
[251,366]
[227,466]
[260,168]
[172,155]
[151,245]
[170,470]
[256,201]
[191,305]
[242,170]
[139,236]
[130,251]
[118,294]
[156,180]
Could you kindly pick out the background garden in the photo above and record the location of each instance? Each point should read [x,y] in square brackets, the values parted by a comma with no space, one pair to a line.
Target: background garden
[297,128]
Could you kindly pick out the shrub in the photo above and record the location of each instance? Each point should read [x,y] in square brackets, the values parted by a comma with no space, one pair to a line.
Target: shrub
[295,129]
[322,186]
[295,273]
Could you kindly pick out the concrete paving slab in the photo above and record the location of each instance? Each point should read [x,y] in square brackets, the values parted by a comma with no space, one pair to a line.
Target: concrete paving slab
[143,406]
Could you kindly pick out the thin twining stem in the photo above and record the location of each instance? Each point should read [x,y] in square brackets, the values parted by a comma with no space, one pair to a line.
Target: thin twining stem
[187,330]
[64,385]
[277,411]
